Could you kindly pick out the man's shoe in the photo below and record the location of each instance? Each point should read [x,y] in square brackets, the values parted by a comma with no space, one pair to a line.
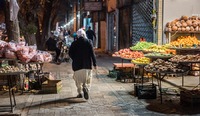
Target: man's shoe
[85,93]
[58,63]
[79,96]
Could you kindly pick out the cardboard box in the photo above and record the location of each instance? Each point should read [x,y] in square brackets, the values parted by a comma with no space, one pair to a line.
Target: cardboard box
[51,86]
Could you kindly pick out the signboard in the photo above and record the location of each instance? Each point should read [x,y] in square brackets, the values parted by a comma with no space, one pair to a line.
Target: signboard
[93,6]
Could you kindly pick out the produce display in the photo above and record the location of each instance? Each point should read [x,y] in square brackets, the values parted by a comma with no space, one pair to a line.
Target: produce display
[164,66]
[185,42]
[12,50]
[186,58]
[156,48]
[127,53]
[142,60]
[195,66]
[170,51]
[158,55]
[33,66]
[142,45]
[184,24]
[12,69]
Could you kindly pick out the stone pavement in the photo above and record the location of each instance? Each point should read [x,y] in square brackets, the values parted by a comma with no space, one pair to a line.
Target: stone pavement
[107,97]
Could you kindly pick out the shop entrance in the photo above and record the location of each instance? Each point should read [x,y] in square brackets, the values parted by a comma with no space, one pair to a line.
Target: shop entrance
[141,21]
[112,37]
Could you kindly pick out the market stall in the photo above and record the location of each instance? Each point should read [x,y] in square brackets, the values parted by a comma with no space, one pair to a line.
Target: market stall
[187,60]
[167,54]
[140,63]
[10,72]
[14,58]
[127,70]
[161,68]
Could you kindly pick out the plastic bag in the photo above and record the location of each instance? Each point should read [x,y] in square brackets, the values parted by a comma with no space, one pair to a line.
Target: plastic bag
[3,44]
[38,58]
[47,56]
[10,54]
[2,51]
[12,46]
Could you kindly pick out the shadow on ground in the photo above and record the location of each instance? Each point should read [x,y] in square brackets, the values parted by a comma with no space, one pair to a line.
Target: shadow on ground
[172,105]
[10,114]
[58,103]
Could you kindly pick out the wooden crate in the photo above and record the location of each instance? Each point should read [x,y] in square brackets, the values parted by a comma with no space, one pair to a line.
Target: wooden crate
[126,67]
[51,86]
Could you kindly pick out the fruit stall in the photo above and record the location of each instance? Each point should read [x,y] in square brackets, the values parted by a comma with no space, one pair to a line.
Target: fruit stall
[142,54]
[179,56]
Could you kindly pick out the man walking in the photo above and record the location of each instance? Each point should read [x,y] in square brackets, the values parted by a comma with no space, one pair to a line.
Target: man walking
[90,34]
[82,55]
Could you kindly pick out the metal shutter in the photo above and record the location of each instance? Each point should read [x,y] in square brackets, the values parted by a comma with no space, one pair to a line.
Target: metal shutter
[141,21]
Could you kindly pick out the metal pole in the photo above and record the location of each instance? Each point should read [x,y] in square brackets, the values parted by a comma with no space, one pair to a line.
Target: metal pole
[77,5]
[99,29]
[74,16]
[81,13]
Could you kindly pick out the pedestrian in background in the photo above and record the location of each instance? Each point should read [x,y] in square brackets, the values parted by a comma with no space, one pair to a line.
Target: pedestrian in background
[75,36]
[83,56]
[90,34]
[69,32]
[53,44]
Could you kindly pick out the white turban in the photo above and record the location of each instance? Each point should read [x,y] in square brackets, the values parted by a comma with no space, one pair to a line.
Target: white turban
[81,33]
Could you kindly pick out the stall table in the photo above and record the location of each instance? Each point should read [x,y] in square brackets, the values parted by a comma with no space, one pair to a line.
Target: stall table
[189,63]
[124,66]
[158,57]
[186,51]
[39,69]
[141,66]
[10,76]
[160,76]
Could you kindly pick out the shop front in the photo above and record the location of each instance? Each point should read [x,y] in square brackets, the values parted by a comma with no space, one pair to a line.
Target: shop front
[141,21]
[124,29]
[112,40]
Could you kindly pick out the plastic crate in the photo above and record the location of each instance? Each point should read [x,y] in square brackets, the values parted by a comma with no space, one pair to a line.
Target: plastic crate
[51,86]
[145,91]
[113,73]
[126,77]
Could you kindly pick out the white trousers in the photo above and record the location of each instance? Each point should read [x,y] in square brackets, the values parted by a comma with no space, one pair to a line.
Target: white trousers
[83,78]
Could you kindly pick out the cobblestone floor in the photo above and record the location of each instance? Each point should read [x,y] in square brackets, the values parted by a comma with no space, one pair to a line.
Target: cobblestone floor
[107,97]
